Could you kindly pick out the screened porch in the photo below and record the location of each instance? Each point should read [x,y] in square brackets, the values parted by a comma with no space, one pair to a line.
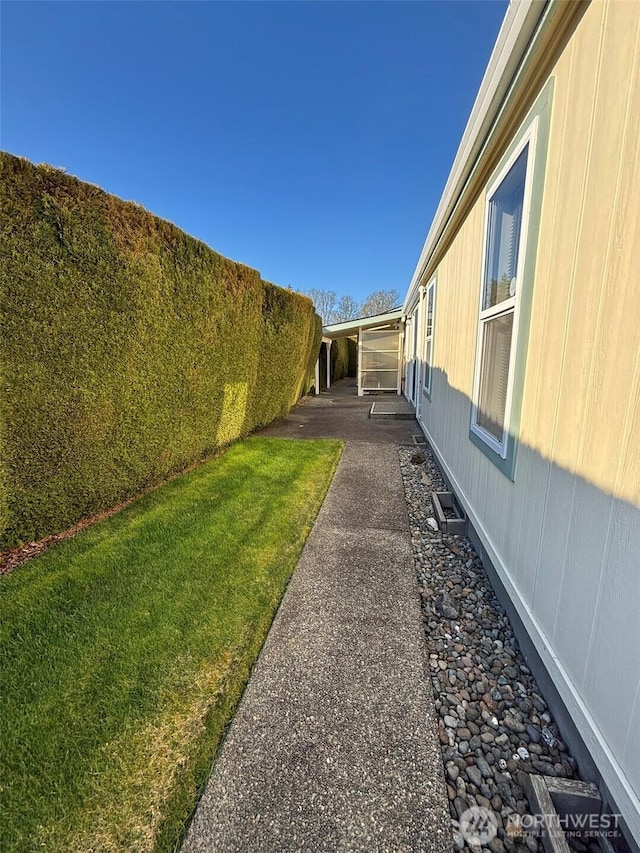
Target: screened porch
[380,347]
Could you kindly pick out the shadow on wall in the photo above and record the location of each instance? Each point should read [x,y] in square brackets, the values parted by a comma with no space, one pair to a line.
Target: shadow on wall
[568,555]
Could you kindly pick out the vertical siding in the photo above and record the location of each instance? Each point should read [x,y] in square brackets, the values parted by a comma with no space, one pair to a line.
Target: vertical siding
[632,745]
[613,671]
[567,531]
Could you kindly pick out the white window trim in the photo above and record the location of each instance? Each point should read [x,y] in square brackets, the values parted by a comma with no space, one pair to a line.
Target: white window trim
[507,305]
[428,368]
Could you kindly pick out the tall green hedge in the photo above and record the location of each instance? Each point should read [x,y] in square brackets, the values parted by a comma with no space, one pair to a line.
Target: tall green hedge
[344,361]
[128,350]
[344,358]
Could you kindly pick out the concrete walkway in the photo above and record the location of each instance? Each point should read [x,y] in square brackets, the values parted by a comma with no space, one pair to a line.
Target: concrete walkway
[334,745]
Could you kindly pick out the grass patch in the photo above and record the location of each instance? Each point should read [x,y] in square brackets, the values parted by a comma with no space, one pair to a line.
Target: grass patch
[125,650]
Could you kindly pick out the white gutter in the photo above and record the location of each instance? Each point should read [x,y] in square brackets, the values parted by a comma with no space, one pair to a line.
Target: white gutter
[515,34]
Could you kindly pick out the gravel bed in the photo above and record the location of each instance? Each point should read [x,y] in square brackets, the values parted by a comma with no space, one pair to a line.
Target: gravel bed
[494,720]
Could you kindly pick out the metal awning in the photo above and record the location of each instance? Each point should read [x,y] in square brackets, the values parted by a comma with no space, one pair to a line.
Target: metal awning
[379,350]
[352,327]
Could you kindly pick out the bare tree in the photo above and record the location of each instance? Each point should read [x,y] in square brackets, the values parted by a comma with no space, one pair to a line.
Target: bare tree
[379,302]
[333,310]
[346,309]
[325,303]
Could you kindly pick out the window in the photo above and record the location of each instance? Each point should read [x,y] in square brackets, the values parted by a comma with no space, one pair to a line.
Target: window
[505,237]
[513,209]
[428,338]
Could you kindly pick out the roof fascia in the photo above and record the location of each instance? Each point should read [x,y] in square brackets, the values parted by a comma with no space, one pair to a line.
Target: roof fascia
[517,30]
[352,326]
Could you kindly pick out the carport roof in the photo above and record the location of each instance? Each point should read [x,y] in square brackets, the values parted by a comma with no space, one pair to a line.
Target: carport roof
[351,327]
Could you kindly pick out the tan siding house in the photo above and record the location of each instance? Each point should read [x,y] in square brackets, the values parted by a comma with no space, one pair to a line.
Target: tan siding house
[530,356]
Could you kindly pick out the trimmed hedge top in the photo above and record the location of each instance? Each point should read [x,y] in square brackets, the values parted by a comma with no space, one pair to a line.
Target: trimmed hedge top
[128,350]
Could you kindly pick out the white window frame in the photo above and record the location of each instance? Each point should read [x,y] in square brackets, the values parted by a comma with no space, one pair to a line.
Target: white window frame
[510,305]
[427,376]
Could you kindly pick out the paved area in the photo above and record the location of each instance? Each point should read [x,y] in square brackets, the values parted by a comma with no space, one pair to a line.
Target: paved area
[334,746]
[340,413]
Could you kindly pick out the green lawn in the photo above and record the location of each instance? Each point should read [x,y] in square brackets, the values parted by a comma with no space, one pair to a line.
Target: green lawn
[124,650]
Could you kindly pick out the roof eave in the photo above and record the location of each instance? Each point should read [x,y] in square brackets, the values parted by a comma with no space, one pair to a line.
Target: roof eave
[518,27]
[336,330]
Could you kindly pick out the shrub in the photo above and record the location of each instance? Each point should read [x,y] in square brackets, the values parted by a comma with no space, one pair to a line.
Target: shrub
[344,358]
[128,350]
[344,361]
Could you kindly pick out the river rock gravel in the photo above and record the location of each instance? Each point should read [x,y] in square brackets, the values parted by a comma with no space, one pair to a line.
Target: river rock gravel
[494,720]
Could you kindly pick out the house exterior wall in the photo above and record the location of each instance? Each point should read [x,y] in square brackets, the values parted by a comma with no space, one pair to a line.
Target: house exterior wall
[564,534]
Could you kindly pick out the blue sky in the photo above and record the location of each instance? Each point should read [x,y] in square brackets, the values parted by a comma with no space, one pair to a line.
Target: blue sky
[310,140]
